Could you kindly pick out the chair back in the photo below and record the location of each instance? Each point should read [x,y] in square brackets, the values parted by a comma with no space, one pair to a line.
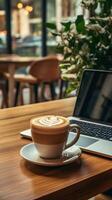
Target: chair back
[46,69]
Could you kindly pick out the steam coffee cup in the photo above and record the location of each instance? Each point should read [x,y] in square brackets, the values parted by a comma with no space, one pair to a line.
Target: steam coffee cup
[50,133]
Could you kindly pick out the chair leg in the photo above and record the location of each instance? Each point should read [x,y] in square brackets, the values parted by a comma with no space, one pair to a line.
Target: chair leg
[21,94]
[52,89]
[4,88]
[66,86]
[35,87]
[17,93]
[62,85]
[5,97]
[61,89]
[31,93]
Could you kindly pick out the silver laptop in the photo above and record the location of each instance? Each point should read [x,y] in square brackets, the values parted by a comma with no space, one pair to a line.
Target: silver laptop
[93,112]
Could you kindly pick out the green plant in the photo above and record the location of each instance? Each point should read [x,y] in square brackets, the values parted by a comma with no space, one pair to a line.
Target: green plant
[85,45]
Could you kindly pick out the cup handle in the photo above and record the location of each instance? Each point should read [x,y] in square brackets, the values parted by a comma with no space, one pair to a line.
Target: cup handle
[77,129]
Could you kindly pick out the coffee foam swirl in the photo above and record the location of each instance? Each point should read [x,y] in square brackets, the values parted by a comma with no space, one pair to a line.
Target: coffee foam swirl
[50,121]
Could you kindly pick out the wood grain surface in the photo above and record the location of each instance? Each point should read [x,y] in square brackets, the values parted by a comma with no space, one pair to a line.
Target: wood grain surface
[21,180]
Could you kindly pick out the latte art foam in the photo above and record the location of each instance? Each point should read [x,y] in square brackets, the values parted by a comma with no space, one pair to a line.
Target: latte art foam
[50,121]
[50,125]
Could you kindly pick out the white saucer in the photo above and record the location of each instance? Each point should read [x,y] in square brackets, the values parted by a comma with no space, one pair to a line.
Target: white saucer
[30,153]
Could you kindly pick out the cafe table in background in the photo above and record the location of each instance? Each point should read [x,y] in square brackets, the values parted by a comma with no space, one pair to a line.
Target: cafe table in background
[10,63]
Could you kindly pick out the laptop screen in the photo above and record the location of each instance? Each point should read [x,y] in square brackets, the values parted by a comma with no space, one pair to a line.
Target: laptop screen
[94,101]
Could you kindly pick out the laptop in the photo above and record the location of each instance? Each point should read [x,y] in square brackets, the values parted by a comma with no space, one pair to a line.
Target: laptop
[93,112]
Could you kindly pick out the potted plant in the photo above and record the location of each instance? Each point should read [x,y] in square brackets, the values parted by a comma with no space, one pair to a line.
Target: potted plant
[85,44]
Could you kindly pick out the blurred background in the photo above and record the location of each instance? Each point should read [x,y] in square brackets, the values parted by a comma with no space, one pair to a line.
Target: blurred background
[21,24]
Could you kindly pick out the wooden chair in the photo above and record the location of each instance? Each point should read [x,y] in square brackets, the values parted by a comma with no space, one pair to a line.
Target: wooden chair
[46,70]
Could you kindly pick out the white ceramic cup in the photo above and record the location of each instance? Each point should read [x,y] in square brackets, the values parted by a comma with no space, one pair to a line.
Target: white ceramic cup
[50,133]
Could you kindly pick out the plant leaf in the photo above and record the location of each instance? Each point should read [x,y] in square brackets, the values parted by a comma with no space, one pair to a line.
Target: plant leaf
[55,33]
[51,26]
[67,25]
[80,24]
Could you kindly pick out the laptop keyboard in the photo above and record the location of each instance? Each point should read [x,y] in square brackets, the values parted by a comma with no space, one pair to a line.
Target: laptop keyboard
[94,130]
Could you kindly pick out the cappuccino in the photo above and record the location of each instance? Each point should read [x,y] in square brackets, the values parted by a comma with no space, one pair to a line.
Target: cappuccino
[50,134]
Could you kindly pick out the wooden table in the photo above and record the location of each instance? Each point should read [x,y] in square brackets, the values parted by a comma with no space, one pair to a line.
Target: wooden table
[20,180]
[10,63]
